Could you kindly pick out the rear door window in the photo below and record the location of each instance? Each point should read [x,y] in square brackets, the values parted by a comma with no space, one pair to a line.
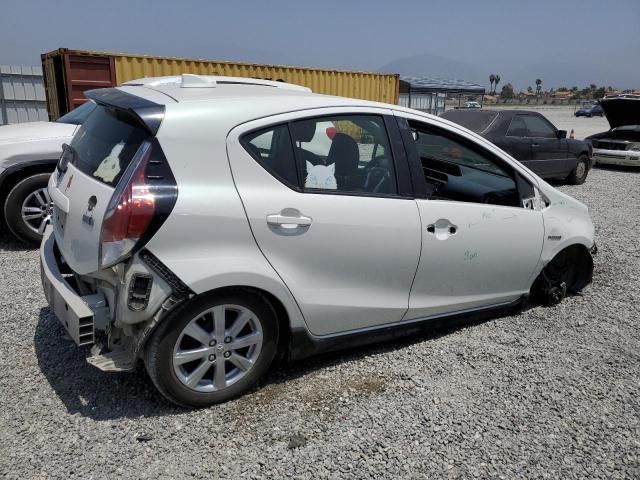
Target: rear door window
[272,148]
[517,127]
[106,143]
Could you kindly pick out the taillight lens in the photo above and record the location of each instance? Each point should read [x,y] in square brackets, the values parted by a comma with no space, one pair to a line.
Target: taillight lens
[129,213]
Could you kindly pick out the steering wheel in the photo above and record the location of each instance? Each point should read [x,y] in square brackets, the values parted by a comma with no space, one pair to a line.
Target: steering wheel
[376,178]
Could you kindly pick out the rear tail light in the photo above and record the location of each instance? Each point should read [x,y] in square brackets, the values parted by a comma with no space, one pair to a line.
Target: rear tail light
[141,202]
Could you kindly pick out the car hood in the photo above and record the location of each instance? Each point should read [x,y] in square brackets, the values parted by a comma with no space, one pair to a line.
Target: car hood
[621,110]
[26,132]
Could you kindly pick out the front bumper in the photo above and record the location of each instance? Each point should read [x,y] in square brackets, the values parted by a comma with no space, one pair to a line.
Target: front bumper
[77,313]
[616,157]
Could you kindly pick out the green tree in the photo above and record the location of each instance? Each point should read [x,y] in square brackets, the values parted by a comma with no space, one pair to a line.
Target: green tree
[538,86]
[492,78]
[507,92]
[599,93]
[529,89]
[497,81]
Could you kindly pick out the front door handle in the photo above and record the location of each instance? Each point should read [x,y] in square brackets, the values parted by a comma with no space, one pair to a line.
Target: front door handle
[289,218]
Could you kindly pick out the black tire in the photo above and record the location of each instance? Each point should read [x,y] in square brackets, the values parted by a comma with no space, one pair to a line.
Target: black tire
[580,172]
[158,354]
[13,207]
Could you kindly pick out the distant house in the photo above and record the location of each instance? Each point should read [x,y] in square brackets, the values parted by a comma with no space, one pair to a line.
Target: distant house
[562,95]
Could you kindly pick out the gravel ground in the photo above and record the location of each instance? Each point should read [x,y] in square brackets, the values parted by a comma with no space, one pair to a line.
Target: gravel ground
[549,393]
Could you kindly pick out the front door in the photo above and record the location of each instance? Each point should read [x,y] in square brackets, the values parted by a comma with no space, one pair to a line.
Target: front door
[321,194]
[480,246]
[549,154]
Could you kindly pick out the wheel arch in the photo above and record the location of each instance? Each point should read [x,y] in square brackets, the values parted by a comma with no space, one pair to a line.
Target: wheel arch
[10,177]
[282,316]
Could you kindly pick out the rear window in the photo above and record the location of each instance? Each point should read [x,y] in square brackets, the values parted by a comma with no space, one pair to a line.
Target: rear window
[106,143]
[475,121]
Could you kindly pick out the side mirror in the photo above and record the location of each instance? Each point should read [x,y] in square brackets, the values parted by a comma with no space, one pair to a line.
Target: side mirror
[562,134]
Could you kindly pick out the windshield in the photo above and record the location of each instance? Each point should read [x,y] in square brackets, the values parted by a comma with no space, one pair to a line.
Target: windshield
[477,121]
[77,116]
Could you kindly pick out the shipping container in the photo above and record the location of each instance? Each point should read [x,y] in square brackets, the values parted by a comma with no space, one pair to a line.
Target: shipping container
[68,73]
[22,97]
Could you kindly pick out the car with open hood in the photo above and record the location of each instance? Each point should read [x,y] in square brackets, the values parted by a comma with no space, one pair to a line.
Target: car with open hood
[28,154]
[620,145]
[205,226]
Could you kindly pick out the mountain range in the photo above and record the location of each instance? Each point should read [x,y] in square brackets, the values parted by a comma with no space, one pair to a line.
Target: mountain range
[616,68]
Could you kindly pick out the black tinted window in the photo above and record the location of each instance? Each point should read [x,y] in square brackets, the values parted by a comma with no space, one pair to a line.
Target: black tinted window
[475,121]
[106,143]
[517,127]
[538,127]
[272,148]
[455,170]
[79,115]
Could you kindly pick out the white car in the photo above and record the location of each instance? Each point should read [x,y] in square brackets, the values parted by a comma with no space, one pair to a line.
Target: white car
[183,238]
[621,144]
[472,105]
[28,154]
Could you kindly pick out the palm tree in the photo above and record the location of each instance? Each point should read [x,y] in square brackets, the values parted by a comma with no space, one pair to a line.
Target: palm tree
[497,81]
[538,86]
[492,78]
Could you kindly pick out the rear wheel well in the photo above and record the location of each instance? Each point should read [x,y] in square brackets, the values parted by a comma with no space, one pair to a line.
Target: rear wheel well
[284,325]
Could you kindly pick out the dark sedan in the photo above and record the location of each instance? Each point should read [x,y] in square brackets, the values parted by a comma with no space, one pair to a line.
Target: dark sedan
[531,139]
[589,111]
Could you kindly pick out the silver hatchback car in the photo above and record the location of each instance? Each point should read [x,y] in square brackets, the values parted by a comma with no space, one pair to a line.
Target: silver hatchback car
[208,225]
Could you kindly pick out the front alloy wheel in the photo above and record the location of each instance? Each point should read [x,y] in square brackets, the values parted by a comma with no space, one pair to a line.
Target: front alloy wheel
[28,208]
[213,348]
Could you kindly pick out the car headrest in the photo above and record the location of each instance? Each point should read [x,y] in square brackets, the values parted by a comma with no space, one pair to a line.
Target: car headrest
[345,154]
[303,131]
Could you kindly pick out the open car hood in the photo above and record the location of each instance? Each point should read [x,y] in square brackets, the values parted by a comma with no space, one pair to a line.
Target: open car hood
[622,110]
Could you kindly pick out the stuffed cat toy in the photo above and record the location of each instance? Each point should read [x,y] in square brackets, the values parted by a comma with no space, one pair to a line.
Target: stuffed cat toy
[109,168]
[321,176]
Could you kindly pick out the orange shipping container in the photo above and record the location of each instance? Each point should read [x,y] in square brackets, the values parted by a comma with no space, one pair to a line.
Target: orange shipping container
[68,73]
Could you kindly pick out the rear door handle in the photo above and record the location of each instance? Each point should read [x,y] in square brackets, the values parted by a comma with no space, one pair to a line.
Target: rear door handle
[442,229]
[288,218]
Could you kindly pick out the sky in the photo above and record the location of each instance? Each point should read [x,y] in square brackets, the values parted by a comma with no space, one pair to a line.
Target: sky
[360,35]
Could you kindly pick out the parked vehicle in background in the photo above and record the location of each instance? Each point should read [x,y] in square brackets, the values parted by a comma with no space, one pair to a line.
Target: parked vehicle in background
[532,140]
[194,225]
[472,105]
[28,154]
[621,144]
[589,110]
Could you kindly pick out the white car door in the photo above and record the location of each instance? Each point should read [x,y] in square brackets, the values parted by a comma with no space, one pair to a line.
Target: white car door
[480,245]
[331,220]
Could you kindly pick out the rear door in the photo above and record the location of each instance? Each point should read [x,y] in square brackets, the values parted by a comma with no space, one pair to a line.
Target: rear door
[327,195]
[516,142]
[549,154]
[85,180]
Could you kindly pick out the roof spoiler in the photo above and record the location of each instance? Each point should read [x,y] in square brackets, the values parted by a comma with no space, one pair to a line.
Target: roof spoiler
[188,80]
[149,113]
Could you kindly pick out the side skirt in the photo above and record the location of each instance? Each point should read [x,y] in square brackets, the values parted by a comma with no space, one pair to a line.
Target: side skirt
[303,345]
